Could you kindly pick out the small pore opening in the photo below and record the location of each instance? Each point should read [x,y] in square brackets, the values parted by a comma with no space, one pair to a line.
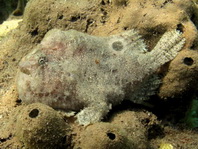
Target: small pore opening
[5,139]
[34,32]
[34,113]
[103,11]
[89,22]
[60,17]
[18,101]
[74,18]
[102,2]
[125,28]
[111,136]
[180,28]
[188,61]
[117,45]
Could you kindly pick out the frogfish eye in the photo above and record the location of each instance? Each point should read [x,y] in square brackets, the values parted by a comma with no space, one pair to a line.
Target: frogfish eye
[42,60]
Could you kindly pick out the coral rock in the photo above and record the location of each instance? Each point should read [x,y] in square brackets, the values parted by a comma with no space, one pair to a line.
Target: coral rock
[39,126]
[103,136]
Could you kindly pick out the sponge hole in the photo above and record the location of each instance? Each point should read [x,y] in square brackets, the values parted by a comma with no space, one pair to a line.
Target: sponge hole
[111,136]
[188,61]
[34,113]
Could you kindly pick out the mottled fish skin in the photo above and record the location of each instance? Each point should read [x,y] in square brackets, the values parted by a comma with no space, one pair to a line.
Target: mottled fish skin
[71,70]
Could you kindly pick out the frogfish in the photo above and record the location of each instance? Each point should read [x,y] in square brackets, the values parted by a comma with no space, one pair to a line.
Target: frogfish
[74,71]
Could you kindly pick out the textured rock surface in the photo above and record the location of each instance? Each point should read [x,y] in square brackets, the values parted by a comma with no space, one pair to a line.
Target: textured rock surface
[39,126]
[127,129]
[35,126]
[72,71]
[109,135]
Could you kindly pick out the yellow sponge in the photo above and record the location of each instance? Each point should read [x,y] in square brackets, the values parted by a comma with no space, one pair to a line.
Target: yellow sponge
[166,146]
[7,26]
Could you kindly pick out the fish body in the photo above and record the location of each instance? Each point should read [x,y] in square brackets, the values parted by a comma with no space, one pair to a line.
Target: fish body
[71,70]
